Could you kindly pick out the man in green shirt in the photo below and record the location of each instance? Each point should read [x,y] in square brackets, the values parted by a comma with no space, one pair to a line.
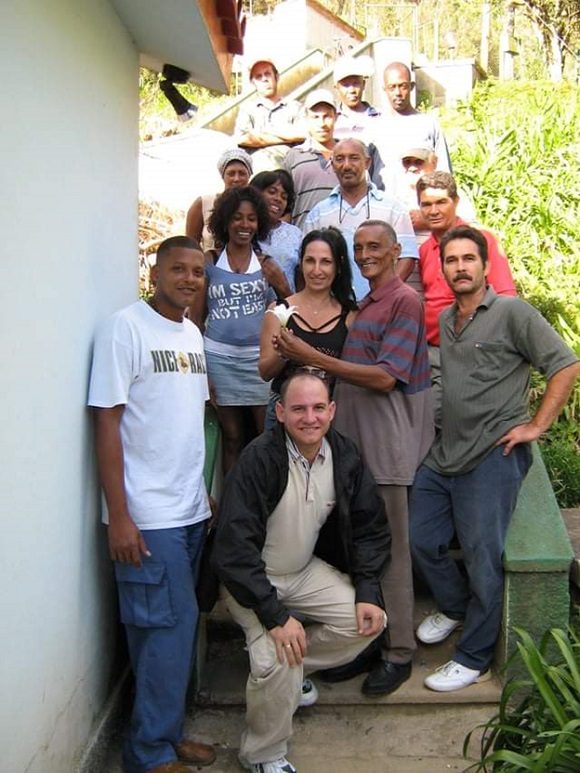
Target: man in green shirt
[470,480]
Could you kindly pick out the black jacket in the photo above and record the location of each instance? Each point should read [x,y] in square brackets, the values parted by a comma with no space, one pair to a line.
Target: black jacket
[355,537]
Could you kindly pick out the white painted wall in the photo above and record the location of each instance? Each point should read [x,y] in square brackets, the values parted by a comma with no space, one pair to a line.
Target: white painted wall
[328,35]
[289,31]
[448,81]
[280,34]
[68,161]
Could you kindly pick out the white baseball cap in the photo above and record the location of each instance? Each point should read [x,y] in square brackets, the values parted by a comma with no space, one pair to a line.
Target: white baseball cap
[317,97]
[351,65]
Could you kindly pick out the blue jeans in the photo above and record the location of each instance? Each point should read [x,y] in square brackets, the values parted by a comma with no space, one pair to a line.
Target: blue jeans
[478,506]
[271,421]
[159,610]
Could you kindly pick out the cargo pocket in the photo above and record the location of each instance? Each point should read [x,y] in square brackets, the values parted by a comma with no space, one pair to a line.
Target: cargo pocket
[144,595]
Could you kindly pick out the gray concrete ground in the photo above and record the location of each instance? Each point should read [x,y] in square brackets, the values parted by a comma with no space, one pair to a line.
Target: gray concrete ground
[412,731]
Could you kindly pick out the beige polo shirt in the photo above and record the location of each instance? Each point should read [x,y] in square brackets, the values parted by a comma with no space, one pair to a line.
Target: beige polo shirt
[294,525]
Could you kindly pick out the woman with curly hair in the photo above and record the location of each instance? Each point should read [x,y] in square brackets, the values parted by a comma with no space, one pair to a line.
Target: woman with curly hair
[283,241]
[321,313]
[239,286]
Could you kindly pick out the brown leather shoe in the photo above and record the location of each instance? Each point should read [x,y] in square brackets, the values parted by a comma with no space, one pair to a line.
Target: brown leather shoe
[195,753]
[171,767]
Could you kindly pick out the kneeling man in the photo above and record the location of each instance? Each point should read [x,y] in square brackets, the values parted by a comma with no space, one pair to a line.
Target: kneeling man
[301,530]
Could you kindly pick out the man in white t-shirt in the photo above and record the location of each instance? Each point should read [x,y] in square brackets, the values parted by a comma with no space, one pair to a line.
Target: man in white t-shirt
[149,388]
[401,125]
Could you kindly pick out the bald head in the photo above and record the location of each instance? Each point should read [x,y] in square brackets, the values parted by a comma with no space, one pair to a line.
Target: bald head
[350,143]
[398,68]
[399,87]
[387,230]
[350,161]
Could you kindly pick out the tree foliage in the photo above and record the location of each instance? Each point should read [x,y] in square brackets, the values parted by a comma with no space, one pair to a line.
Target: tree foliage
[557,26]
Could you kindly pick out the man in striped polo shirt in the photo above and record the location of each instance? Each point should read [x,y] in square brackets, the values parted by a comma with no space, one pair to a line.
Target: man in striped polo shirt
[471,478]
[383,403]
[310,163]
[356,199]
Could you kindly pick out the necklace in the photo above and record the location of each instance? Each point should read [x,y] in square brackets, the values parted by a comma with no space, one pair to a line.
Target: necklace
[315,311]
[239,265]
[342,215]
[463,319]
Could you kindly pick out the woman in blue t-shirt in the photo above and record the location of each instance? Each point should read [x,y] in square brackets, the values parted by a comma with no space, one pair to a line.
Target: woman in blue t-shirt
[283,241]
[240,283]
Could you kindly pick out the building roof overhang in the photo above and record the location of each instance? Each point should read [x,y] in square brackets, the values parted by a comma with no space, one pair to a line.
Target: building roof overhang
[200,36]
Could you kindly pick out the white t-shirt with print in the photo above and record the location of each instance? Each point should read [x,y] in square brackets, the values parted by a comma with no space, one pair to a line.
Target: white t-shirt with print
[156,368]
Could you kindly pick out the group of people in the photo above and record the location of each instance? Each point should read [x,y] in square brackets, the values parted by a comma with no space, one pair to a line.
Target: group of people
[386,420]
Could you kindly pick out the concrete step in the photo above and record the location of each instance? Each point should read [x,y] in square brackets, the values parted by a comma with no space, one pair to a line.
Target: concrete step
[333,741]
[414,730]
[223,677]
[353,739]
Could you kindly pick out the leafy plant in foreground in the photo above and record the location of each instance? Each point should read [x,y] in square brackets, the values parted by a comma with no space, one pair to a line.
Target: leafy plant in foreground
[538,724]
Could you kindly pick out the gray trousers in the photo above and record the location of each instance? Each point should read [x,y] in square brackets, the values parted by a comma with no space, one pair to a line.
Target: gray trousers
[436,388]
[397,582]
[325,596]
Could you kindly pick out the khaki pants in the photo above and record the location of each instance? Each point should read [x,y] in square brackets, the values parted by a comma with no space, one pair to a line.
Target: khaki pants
[325,596]
[397,582]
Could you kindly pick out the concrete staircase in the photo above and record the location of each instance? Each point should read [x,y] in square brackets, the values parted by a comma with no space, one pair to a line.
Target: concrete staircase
[291,79]
[413,729]
[311,71]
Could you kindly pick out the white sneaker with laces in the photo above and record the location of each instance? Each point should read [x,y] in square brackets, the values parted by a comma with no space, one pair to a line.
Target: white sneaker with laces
[454,676]
[276,766]
[309,694]
[436,628]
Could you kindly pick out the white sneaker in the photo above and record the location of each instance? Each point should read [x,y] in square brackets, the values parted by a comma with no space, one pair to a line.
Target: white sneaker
[309,694]
[454,676]
[276,766]
[435,628]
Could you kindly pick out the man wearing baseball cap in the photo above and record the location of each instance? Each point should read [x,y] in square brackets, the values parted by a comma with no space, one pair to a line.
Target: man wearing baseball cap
[402,124]
[416,161]
[269,125]
[354,116]
[310,163]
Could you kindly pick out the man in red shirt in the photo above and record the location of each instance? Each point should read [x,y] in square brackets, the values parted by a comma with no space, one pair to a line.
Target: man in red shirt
[438,200]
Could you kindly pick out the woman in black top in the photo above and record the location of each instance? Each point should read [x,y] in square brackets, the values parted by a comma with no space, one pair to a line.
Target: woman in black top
[321,313]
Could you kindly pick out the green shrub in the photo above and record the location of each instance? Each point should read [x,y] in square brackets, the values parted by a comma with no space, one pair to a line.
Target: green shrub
[538,724]
[515,148]
[561,453]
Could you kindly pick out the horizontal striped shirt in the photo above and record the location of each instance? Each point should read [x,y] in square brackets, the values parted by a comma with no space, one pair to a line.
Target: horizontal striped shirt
[389,331]
[394,430]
